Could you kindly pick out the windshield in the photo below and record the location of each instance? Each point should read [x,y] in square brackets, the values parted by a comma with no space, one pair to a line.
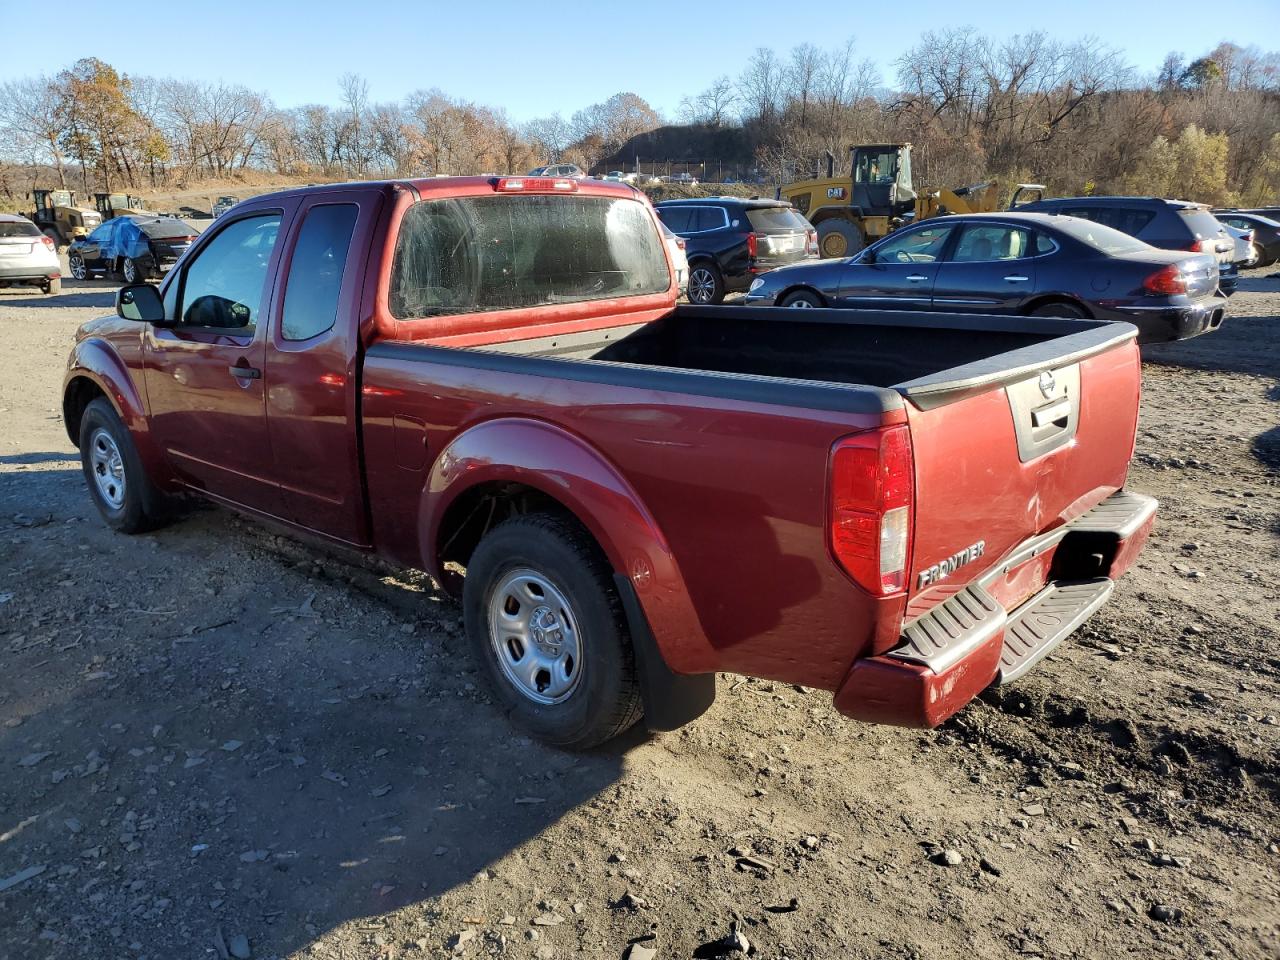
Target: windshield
[475,254]
[16,228]
[776,220]
[1097,236]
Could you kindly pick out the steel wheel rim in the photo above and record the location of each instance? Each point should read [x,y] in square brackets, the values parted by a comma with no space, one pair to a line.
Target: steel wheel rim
[535,638]
[702,285]
[107,467]
[834,245]
[77,268]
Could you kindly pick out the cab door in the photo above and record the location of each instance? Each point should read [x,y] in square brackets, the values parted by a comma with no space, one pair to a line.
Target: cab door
[991,269]
[204,369]
[312,371]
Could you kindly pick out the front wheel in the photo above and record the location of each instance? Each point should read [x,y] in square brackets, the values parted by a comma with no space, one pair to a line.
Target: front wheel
[544,621]
[839,238]
[118,483]
[802,300]
[706,285]
[78,268]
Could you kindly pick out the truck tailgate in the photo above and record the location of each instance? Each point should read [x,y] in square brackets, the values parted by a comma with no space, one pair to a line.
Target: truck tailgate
[997,466]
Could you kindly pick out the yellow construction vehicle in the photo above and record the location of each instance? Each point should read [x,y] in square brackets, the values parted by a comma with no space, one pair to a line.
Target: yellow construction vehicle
[58,217]
[118,204]
[875,198]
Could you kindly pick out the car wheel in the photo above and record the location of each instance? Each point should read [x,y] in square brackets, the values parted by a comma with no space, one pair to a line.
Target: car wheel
[118,483]
[1255,256]
[839,238]
[706,285]
[803,300]
[544,621]
[77,265]
[132,270]
[1060,309]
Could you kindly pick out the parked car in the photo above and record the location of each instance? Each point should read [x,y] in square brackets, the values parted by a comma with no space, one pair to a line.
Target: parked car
[686,178]
[489,379]
[1242,255]
[1170,224]
[621,176]
[136,248]
[27,256]
[729,241]
[222,205]
[1266,234]
[679,262]
[558,170]
[1032,264]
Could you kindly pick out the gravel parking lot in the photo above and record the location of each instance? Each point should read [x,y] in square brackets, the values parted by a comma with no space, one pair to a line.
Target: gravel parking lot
[216,741]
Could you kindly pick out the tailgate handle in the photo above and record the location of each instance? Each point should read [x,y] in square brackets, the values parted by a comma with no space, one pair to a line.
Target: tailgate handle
[1054,413]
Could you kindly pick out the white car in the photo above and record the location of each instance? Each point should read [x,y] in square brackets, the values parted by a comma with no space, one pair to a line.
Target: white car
[1244,255]
[679,262]
[27,256]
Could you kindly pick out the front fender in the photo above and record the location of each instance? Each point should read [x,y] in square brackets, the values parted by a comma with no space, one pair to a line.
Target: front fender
[95,361]
[561,465]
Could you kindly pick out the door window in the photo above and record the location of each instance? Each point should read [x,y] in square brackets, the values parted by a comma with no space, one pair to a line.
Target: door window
[223,286]
[315,272]
[676,218]
[995,242]
[918,246]
[709,218]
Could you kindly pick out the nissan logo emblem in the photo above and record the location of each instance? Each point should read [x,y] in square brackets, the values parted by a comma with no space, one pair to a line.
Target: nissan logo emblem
[1047,384]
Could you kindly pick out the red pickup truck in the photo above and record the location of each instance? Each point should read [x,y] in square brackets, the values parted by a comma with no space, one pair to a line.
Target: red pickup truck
[490,379]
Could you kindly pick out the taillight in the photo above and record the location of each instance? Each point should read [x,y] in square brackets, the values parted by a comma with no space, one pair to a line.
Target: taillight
[811,244]
[48,241]
[870,510]
[753,245]
[1204,246]
[1167,281]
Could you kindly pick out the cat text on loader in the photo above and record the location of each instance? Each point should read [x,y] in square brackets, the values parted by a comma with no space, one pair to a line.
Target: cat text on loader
[875,198]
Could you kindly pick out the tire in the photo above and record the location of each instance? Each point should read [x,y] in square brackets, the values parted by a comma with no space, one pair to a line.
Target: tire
[544,578]
[803,299]
[113,471]
[706,284]
[1060,308]
[54,287]
[1256,256]
[77,266]
[839,238]
[133,271]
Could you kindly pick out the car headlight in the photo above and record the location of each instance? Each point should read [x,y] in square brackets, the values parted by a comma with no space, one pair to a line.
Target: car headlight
[756,284]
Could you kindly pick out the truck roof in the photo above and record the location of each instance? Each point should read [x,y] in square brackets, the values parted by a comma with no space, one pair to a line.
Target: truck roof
[426,186]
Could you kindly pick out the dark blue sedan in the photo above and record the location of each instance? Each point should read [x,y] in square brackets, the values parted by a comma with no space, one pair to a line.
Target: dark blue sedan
[1013,263]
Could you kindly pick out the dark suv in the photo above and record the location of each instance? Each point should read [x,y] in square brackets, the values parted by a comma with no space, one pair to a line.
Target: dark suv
[730,241]
[1170,224]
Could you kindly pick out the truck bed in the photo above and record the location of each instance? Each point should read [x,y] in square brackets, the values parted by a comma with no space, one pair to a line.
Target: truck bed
[931,358]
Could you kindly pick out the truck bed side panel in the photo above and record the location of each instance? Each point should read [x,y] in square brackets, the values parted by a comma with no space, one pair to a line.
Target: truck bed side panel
[738,489]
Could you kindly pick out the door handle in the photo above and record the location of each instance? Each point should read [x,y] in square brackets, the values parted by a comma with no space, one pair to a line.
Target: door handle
[1015,279]
[245,373]
[917,277]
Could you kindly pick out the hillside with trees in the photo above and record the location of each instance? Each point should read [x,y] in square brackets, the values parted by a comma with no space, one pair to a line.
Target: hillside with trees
[1071,114]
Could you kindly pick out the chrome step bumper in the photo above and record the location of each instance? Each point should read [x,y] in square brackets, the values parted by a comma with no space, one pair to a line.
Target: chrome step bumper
[1046,620]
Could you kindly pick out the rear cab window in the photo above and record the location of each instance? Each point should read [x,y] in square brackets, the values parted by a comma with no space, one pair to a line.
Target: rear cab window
[477,254]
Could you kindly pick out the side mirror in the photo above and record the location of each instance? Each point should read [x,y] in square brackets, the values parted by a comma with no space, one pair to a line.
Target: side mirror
[140,301]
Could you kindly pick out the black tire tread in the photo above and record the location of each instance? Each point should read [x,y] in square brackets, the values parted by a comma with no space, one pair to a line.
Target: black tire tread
[136,518]
[629,708]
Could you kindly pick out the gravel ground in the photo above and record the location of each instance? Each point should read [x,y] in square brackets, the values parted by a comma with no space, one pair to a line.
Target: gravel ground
[216,741]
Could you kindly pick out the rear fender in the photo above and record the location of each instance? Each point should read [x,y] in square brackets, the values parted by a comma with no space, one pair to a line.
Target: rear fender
[96,362]
[562,466]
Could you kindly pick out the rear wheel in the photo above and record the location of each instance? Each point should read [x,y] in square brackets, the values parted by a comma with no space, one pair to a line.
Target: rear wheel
[803,300]
[544,621]
[133,270]
[1255,257]
[1060,309]
[706,285]
[839,238]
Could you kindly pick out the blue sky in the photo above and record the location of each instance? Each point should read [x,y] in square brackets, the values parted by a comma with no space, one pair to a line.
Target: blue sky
[537,58]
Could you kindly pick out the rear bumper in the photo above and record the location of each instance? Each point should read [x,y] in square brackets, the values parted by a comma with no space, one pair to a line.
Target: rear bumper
[34,272]
[957,649]
[1160,324]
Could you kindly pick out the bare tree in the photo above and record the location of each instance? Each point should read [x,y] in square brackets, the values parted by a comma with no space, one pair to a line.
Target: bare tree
[30,113]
